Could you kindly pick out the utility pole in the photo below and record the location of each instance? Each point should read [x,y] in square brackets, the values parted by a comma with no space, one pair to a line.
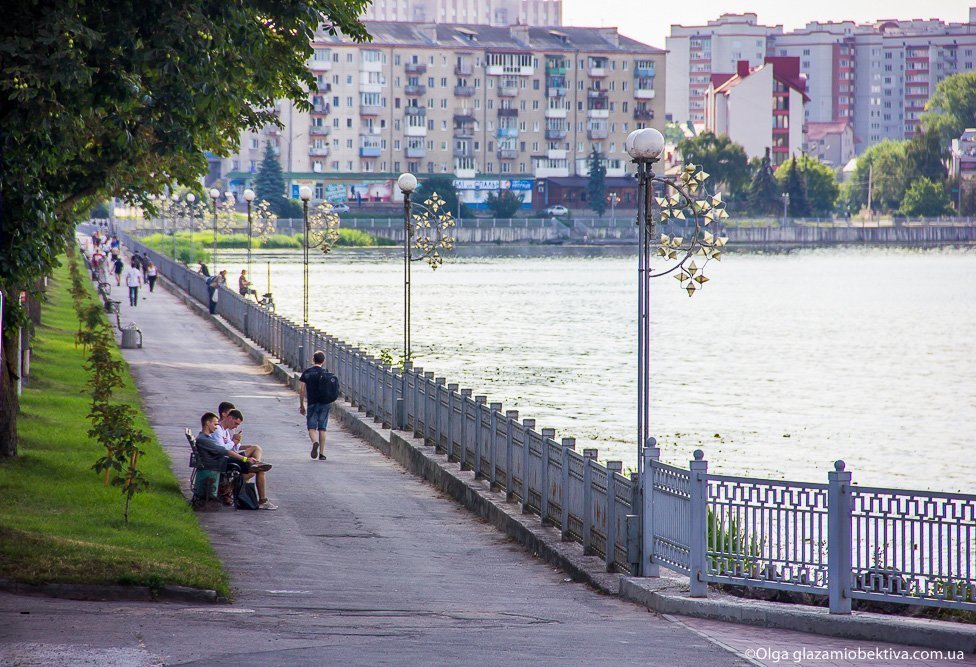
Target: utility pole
[870,180]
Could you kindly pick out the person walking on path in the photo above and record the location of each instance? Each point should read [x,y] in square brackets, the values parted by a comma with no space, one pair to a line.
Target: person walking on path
[321,388]
[118,267]
[151,276]
[213,290]
[133,280]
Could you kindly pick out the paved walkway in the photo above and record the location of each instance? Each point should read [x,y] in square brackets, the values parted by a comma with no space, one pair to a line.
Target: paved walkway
[362,563]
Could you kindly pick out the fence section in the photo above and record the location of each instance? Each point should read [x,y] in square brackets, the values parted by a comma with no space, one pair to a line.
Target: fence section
[588,502]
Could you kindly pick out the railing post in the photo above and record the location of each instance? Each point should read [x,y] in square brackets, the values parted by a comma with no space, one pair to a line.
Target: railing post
[589,458]
[496,411]
[452,390]
[547,435]
[512,420]
[569,444]
[839,566]
[652,454]
[429,387]
[527,425]
[439,421]
[610,552]
[699,513]
[463,430]
[479,434]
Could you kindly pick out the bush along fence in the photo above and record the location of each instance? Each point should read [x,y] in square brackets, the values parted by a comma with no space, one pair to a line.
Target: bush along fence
[836,539]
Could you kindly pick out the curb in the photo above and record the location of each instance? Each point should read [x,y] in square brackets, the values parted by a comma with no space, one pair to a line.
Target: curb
[664,595]
[111,593]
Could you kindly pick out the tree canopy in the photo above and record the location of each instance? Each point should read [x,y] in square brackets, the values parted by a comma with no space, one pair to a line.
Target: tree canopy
[882,167]
[952,108]
[504,204]
[821,188]
[764,195]
[719,156]
[925,197]
[596,185]
[101,99]
[443,185]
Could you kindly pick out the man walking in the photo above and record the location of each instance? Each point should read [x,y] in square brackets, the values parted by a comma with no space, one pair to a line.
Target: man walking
[322,389]
[133,280]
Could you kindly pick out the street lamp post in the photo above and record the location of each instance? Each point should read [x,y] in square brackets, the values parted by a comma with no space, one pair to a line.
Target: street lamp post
[407,183]
[305,193]
[786,205]
[613,205]
[249,197]
[682,196]
[326,232]
[191,223]
[173,209]
[214,196]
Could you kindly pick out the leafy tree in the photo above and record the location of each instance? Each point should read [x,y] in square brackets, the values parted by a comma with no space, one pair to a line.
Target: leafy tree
[596,186]
[723,159]
[764,196]
[444,187]
[924,157]
[952,108]
[673,133]
[269,183]
[819,180]
[883,167]
[926,198]
[505,204]
[792,182]
[102,99]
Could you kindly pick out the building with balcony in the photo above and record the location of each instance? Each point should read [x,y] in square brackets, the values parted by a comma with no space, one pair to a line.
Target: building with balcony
[499,13]
[506,104]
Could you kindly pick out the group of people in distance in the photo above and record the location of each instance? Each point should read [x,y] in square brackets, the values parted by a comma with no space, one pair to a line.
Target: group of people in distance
[221,436]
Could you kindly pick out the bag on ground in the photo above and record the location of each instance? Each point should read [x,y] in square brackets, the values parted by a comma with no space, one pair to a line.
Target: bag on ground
[245,495]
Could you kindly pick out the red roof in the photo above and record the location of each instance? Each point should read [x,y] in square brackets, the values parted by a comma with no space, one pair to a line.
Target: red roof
[786,70]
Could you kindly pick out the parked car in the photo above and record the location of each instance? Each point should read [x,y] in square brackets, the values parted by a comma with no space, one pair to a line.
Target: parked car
[339,207]
[558,209]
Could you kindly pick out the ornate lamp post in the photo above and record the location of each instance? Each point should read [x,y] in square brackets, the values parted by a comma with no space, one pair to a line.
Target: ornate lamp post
[214,196]
[683,198]
[249,197]
[174,211]
[322,230]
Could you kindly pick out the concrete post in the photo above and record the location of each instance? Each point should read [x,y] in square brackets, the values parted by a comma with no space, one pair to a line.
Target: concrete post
[548,434]
[589,459]
[527,426]
[479,434]
[440,419]
[652,454]
[839,548]
[613,467]
[429,388]
[568,445]
[512,421]
[452,398]
[699,514]
[463,429]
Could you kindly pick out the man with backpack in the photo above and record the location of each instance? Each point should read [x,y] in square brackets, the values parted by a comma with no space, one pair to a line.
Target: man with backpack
[322,389]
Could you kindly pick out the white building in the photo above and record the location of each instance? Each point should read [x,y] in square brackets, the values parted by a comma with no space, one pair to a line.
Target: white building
[472,12]
[759,108]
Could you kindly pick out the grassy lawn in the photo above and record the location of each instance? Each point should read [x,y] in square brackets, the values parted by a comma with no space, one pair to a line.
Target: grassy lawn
[58,523]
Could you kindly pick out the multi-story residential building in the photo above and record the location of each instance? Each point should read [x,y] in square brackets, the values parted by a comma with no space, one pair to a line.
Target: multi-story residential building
[696,52]
[471,12]
[877,75]
[508,104]
[760,108]
[831,143]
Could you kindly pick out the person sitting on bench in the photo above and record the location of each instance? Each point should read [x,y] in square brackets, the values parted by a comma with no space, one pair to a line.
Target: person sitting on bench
[245,464]
[230,419]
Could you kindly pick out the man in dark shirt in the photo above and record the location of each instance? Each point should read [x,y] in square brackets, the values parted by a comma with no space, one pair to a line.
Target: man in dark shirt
[317,415]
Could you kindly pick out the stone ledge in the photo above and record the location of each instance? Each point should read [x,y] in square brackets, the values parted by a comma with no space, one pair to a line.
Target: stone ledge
[111,592]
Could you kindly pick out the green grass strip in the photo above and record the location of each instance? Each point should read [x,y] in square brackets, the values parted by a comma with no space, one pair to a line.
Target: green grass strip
[58,523]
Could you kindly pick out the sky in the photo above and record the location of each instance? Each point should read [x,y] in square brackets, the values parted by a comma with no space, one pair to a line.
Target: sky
[650,22]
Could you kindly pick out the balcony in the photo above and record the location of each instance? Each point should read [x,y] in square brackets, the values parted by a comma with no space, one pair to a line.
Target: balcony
[507,133]
[318,151]
[644,93]
[597,71]
[510,70]
[321,109]
[319,131]
[555,154]
[597,132]
[463,115]
[643,72]
[323,87]
[507,88]
[643,114]
[463,153]
[415,130]
[415,68]
[323,65]
[556,134]
[465,167]
[370,110]
[416,151]
[556,112]
[463,69]
[463,91]
[414,90]
[597,94]
[598,113]
[555,69]
[371,66]
[507,154]
[508,113]
[556,91]
[415,111]
[369,151]
[464,132]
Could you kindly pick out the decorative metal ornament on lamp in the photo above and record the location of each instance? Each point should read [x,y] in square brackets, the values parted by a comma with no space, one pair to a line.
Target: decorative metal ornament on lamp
[425,228]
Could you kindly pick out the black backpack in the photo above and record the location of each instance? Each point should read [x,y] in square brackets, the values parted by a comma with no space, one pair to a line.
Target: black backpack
[328,386]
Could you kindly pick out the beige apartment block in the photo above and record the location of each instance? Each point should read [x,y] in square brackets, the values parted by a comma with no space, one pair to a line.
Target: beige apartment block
[480,12]
[474,101]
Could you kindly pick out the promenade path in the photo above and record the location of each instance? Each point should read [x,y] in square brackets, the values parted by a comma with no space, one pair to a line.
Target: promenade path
[361,565]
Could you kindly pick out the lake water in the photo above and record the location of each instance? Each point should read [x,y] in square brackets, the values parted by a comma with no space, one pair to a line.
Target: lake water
[782,364]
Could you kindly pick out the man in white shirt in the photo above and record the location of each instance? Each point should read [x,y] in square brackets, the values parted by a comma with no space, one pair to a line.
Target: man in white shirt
[225,433]
[133,280]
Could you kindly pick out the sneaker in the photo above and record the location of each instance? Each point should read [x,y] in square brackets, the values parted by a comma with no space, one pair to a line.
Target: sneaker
[322,457]
[260,467]
[266,505]
[315,449]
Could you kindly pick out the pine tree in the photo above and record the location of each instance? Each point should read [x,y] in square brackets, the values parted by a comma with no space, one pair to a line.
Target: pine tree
[596,188]
[795,186]
[763,192]
[269,183]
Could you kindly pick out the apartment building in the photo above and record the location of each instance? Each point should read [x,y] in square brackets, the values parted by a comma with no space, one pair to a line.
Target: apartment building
[471,12]
[483,103]
[760,108]
[877,75]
